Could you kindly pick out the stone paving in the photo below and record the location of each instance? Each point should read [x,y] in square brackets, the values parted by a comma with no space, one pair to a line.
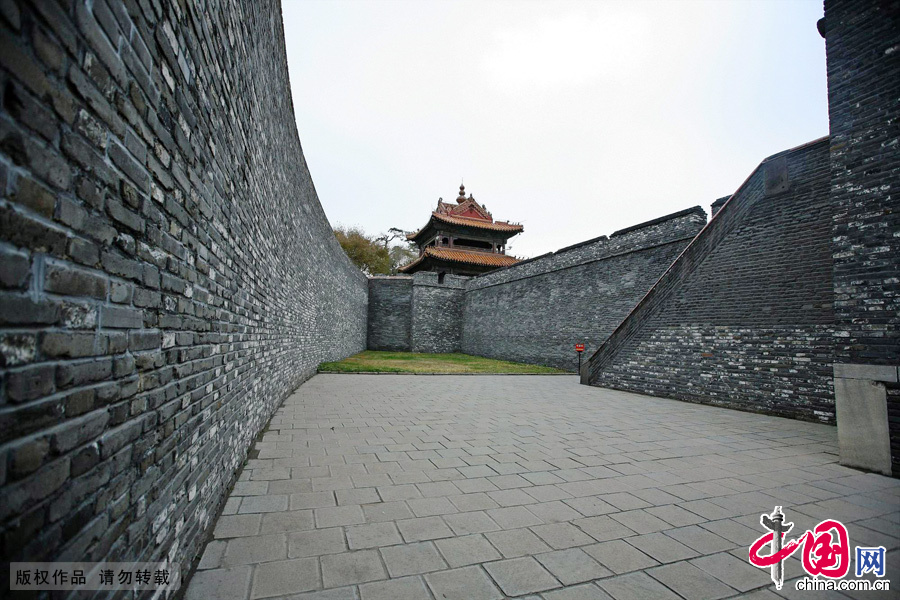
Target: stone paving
[393,487]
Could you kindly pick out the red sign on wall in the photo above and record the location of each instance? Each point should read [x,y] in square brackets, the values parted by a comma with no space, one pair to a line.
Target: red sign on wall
[579,347]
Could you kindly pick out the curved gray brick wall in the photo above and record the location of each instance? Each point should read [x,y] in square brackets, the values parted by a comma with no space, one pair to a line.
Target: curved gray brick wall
[167,274]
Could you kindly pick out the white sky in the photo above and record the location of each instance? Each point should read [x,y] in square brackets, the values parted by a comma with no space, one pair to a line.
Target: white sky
[575,119]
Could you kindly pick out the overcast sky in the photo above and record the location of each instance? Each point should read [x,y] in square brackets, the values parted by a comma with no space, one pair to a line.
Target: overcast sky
[575,119]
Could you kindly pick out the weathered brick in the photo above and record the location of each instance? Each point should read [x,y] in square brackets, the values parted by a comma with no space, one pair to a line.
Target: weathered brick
[28,456]
[65,279]
[138,170]
[28,383]
[30,152]
[17,349]
[28,111]
[26,232]
[59,344]
[98,41]
[115,439]
[144,298]
[124,216]
[84,252]
[95,99]
[48,50]
[71,214]
[77,315]
[23,495]
[77,432]
[118,341]
[88,158]
[144,340]
[34,196]
[120,266]
[130,167]
[85,459]
[720,326]
[79,402]
[22,66]
[57,20]
[120,293]
[14,268]
[81,373]
[123,366]
[117,317]
[22,310]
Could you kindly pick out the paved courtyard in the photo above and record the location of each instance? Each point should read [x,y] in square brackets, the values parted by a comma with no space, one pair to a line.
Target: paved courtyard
[393,487]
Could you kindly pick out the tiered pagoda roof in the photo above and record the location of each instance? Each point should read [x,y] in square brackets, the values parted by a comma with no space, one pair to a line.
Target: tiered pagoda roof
[465,218]
[468,213]
[466,257]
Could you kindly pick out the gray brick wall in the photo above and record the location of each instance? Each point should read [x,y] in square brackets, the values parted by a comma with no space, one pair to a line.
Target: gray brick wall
[744,317]
[862,39]
[893,410]
[390,313]
[167,275]
[863,51]
[437,312]
[416,313]
[536,311]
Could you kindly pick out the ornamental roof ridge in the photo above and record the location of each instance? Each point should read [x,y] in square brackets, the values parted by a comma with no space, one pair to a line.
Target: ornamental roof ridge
[469,257]
[467,212]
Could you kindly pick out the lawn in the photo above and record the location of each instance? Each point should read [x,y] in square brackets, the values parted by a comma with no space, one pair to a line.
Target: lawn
[413,362]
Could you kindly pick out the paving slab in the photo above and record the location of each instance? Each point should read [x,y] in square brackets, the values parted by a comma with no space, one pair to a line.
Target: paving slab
[573,566]
[255,549]
[229,526]
[351,568]
[691,582]
[412,559]
[467,550]
[370,487]
[519,576]
[285,577]
[403,588]
[291,520]
[463,584]
[373,535]
[228,584]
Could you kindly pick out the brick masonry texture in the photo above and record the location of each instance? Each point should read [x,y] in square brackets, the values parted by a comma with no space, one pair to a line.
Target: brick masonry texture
[863,53]
[536,311]
[416,313]
[863,50]
[167,275]
[390,313]
[744,317]
[437,312]
[893,407]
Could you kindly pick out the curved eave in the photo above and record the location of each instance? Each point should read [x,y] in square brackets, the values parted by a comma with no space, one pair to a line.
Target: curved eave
[467,258]
[494,227]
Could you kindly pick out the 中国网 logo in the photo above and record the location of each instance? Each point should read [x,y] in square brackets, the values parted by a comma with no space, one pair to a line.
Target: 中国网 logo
[825,554]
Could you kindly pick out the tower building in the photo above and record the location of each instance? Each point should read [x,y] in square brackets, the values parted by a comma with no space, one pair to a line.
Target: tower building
[462,239]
